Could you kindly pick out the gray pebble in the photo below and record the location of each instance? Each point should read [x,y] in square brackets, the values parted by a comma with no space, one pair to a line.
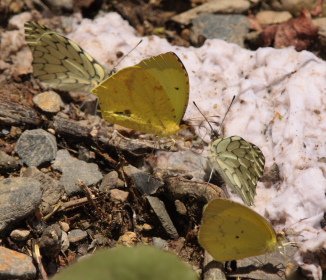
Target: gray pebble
[19,197]
[160,243]
[75,172]
[144,182]
[76,235]
[20,234]
[159,209]
[52,190]
[109,181]
[36,147]
[230,28]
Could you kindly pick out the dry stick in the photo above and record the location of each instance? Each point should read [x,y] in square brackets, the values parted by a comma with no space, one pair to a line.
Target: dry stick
[38,259]
[90,196]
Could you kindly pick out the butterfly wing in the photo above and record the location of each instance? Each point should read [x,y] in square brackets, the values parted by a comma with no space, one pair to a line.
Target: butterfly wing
[240,164]
[59,62]
[151,96]
[232,231]
[174,79]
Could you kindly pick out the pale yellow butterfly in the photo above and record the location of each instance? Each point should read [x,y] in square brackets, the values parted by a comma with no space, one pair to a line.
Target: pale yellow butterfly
[151,96]
[232,231]
[59,62]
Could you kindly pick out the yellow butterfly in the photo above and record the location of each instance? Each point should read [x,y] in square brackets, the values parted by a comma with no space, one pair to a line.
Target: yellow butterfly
[240,164]
[151,96]
[59,62]
[232,231]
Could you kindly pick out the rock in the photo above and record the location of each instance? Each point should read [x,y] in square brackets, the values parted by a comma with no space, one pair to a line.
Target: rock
[144,227]
[321,23]
[160,243]
[7,162]
[180,207]
[51,189]
[160,211]
[118,195]
[64,226]
[19,197]
[100,239]
[51,241]
[76,235]
[128,239]
[20,234]
[144,182]
[15,265]
[230,28]
[75,172]
[64,241]
[271,17]
[48,101]
[212,7]
[293,6]
[36,147]
[110,181]
[85,154]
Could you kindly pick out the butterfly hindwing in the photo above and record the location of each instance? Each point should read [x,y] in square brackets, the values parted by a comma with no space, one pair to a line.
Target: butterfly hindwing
[59,62]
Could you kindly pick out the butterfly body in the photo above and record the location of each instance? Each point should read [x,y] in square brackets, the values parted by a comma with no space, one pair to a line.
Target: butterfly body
[232,231]
[240,164]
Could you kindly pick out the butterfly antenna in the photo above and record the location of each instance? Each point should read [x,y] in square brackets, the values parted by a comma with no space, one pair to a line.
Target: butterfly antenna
[213,131]
[215,134]
[128,53]
[218,133]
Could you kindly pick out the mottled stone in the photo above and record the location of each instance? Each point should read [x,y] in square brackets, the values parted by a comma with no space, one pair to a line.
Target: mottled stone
[14,265]
[36,147]
[19,197]
[75,172]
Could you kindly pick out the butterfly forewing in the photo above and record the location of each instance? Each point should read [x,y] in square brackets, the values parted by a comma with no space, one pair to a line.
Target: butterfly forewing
[240,164]
[59,62]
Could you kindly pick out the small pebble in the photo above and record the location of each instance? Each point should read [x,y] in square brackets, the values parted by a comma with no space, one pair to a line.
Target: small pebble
[180,207]
[128,239]
[64,226]
[48,101]
[109,181]
[118,195]
[64,241]
[19,234]
[76,235]
[159,243]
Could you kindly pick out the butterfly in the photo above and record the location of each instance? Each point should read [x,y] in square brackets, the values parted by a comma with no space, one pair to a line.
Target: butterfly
[232,231]
[239,163]
[59,62]
[151,96]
